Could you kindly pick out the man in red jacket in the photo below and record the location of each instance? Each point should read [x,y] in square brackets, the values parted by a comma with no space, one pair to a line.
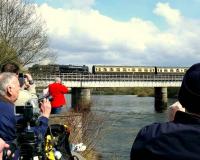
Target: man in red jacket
[57,91]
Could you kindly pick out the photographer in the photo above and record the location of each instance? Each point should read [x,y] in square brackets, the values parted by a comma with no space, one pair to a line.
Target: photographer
[9,90]
[27,91]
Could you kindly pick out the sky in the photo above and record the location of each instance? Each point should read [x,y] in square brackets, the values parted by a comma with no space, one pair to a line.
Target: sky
[123,32]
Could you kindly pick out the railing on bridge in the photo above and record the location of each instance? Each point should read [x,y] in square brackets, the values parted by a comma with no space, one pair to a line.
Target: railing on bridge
[111,77]
[86,81]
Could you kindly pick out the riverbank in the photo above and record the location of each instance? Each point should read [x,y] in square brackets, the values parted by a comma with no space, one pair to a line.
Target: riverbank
[84,128]
[139,91]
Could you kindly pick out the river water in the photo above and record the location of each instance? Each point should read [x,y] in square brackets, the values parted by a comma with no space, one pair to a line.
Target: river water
[124,115]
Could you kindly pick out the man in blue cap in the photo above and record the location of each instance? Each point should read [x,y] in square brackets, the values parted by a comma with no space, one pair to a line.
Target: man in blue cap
[178,139]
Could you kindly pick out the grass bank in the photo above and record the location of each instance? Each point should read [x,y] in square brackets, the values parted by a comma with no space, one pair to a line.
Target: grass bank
[140,91]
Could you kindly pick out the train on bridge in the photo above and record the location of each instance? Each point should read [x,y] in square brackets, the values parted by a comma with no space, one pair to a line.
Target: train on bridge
[102,69]
[58,69]
[105,69]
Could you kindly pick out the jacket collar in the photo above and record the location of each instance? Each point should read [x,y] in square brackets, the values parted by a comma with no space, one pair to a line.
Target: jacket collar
[3,99]
[187,118]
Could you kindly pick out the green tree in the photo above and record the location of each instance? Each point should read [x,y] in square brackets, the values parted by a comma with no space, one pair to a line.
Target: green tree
[6,53]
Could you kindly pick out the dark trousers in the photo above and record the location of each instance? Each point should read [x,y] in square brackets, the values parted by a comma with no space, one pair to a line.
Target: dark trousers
[56,110]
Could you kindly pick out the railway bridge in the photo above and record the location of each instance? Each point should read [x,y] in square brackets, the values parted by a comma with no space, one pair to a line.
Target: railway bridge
[80,84]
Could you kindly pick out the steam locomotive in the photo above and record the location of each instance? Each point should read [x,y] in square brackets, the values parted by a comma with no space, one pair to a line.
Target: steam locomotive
[105,69]
[58,69]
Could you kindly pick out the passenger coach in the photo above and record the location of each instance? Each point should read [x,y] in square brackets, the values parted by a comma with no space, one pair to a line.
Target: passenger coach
[103,69]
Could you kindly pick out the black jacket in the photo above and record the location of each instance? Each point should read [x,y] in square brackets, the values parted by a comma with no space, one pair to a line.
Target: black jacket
[177,140]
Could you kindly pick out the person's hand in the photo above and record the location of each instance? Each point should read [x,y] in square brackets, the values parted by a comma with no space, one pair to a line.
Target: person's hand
[28,76]
[45,108]
[28,80]
[3,145]
[173,109]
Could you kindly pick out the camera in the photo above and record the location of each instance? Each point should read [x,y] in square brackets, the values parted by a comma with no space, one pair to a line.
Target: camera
[29,143]
[40,99]
[22,77]
[30,139]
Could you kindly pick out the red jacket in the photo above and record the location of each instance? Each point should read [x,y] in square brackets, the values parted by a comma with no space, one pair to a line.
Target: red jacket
[57,91]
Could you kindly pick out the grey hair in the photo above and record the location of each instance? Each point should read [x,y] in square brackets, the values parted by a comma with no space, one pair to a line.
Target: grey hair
[57,79]
[6,78]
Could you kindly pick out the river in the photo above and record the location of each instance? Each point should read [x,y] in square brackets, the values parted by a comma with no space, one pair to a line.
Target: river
[125,115]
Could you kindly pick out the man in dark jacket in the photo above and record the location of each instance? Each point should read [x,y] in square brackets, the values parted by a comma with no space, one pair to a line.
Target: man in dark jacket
[9,90]
[180,138]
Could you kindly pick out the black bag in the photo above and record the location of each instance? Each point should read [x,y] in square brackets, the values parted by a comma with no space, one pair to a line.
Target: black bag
[61,140]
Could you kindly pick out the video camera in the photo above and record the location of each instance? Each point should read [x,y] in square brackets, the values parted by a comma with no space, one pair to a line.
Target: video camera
[29,143]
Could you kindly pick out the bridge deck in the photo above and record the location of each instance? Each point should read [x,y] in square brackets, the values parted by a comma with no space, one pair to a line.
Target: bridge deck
[103,80]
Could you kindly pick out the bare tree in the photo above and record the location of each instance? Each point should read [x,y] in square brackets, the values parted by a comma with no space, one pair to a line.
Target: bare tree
[22,33]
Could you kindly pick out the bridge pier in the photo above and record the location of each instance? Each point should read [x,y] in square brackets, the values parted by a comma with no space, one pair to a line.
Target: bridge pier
[81,99]
[160,94]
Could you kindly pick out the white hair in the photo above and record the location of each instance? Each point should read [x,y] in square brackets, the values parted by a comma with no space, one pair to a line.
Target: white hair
[6,78]
[58,79]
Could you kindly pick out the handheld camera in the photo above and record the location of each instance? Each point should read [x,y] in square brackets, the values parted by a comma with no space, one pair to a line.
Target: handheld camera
[21,79]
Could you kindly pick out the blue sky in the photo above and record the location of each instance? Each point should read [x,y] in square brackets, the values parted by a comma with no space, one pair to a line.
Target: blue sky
[123,32]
